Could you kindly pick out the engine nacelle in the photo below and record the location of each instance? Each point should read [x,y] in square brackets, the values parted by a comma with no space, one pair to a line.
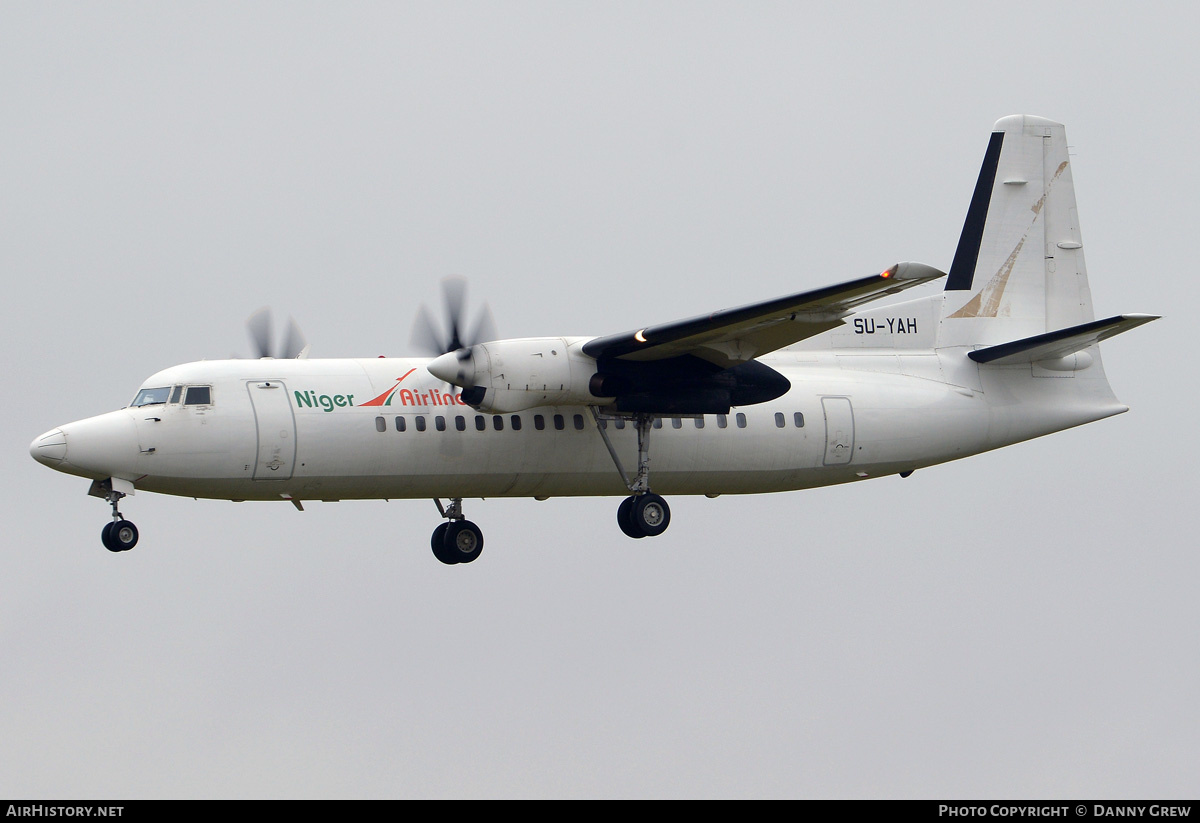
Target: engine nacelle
[513,375]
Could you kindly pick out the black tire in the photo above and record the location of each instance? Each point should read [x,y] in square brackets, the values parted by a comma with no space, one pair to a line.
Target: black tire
[464,541]
[104,537]
[438,544]
[650,515]
[625,519]
[122,536]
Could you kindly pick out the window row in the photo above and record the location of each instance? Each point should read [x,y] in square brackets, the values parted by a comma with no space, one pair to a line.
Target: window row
[559,422]
[194,396]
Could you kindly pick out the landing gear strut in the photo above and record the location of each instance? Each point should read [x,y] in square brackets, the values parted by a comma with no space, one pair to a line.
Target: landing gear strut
[643,514]
[458,540]
[119,535]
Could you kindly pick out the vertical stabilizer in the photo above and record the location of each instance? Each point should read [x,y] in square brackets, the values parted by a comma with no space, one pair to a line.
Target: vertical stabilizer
[1018,270]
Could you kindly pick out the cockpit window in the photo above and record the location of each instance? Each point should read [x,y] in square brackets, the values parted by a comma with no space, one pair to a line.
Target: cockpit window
[175,393]
[198,396]
[151,397]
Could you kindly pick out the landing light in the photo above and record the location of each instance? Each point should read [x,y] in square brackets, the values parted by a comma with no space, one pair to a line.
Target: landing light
[639,336]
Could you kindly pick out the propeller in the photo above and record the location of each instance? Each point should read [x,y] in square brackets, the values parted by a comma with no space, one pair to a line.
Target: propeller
[293,345]
[454,337]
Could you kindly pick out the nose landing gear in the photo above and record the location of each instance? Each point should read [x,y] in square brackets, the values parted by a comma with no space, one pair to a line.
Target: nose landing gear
[119,535]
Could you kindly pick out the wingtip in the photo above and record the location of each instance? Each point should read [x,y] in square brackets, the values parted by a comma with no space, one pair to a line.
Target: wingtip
[912,271]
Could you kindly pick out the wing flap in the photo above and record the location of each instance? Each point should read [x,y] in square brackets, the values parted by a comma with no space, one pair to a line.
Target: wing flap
[733,336]
[1058,343]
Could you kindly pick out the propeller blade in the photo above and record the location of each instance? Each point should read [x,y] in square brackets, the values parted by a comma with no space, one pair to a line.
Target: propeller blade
[485,327]
[455,336]
[454,293]
[294,344]
[425,336]
[259,327]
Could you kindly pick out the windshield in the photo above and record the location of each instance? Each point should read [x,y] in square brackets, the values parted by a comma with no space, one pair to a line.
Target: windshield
[150,397]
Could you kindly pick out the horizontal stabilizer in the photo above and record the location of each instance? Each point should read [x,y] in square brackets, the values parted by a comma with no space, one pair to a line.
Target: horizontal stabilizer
[1058,343]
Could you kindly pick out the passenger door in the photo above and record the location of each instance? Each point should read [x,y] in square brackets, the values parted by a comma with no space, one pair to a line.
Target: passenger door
[276,428]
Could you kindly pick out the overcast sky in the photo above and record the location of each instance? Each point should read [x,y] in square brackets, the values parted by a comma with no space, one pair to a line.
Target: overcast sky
[1019,624]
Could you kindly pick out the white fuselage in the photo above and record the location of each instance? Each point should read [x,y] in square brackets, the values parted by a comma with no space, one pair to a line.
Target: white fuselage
[386,428]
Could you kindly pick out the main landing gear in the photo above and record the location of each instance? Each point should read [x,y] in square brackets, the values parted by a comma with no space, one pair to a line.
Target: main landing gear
[458,540]
[119,535]
[642,514]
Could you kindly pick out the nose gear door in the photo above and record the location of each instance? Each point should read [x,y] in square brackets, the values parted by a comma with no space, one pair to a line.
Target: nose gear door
[276,430]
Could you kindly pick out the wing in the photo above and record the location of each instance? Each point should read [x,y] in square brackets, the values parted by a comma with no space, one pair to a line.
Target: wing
[733,336]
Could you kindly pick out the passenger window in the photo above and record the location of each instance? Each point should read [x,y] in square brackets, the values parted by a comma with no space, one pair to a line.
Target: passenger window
[699,422]
[722,421]
[440,423]
[380,424]
[578,420]
[480,423]
[779,420]
[677,422]
[559,422]
[198,396]
[460,423]
[657,423]
[400,424]
[620,423]
[516,422]
[498,422]
[539,422]
[420,421]
[799,417]
[741,420]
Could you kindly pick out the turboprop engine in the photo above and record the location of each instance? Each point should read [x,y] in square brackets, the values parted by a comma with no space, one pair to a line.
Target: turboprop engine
[514,375]
[518,374]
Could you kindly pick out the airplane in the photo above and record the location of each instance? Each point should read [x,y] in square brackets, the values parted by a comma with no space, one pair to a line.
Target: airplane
[806,390]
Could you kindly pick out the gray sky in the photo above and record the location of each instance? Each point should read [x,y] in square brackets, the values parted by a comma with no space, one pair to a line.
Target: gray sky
[1020,624]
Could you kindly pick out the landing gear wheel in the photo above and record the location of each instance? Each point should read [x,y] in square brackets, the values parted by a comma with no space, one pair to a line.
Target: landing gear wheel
[119,536]
[463,541]
[438,544]
[625,519]
[650,515]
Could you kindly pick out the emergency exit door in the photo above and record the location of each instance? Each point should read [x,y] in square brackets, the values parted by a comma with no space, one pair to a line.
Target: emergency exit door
[839,430]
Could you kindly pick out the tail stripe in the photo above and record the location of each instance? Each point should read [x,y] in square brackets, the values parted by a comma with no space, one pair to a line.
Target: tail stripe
[962,270]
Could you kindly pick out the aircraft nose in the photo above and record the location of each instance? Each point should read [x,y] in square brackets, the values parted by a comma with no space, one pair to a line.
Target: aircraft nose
[103,445]
[50,449]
